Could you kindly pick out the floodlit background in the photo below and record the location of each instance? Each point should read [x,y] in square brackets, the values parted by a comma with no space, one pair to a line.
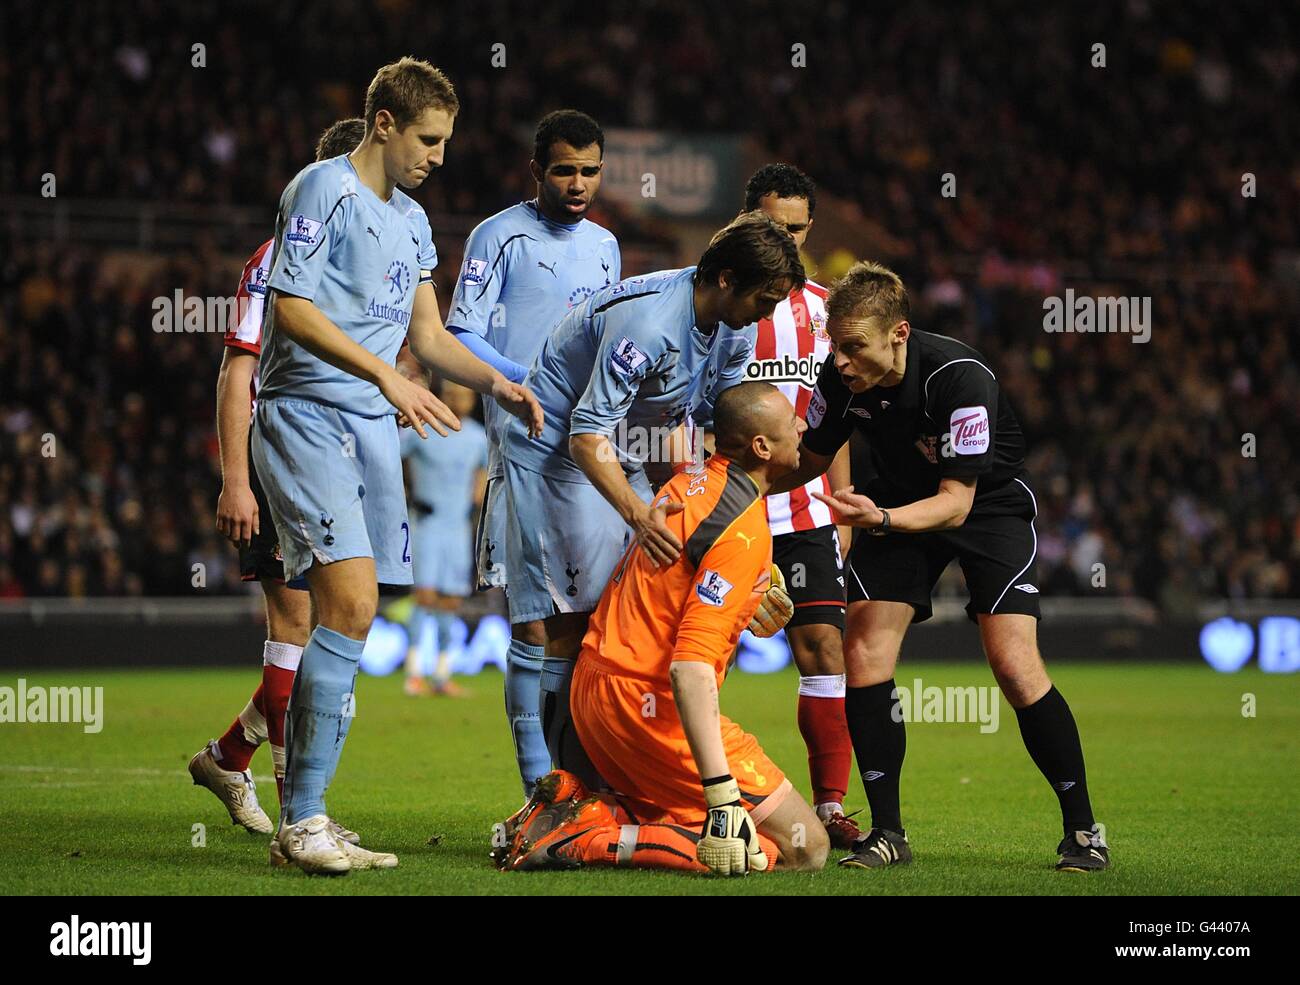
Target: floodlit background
[997,158]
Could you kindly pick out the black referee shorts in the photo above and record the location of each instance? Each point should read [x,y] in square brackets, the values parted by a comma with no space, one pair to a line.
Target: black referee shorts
[260,557]
[996,554]
[814,578]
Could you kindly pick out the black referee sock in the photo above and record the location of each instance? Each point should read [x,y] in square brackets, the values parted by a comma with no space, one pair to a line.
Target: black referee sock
[1052,738]
[879,742]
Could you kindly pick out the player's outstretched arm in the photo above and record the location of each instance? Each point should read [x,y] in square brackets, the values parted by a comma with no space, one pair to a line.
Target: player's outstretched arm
[308,326]
[729,843]
[237,517]
[481,347]
[945,510]
[446,355]
[597,458]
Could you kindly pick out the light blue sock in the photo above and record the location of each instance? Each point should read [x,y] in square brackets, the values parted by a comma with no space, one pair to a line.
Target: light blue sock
[320,714]
[412,620]
[430,620]
[445,623]
[423,619]
[444,641]
[523,690]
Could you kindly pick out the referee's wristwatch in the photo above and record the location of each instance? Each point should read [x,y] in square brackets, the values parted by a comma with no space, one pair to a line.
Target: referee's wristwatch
[883,529]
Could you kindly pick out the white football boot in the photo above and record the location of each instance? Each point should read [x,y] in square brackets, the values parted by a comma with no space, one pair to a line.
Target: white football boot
[278,859]
[363,858]
[351,837]
[235,789]
[313,846]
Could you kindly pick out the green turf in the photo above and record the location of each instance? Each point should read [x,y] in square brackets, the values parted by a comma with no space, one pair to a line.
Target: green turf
[1197,798]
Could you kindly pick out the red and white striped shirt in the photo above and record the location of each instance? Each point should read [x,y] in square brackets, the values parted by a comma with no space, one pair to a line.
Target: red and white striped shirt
[245,328]
[789,352]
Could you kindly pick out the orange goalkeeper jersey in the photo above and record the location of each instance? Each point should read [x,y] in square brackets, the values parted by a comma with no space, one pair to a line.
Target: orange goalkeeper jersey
[697,608]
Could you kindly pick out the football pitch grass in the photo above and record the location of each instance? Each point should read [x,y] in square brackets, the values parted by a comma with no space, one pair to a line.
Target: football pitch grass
[1196,797]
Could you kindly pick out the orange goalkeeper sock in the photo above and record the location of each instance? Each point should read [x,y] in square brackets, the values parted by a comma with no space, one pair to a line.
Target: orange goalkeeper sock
[654,846]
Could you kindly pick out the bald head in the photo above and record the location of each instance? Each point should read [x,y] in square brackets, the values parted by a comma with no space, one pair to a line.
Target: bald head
[750,411]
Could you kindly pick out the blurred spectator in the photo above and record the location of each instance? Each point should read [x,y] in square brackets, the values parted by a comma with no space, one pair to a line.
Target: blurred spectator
[1124,180]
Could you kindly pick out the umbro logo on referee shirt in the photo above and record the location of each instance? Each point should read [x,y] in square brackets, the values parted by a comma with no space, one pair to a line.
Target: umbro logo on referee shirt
[1027,588]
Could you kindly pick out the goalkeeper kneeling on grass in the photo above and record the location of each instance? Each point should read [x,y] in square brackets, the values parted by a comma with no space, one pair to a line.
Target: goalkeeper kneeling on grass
[687,787]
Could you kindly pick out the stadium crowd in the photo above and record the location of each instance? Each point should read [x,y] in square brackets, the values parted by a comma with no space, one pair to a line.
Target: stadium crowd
[1170,462]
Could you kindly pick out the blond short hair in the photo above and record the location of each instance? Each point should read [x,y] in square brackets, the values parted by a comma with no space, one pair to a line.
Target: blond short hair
[406,88]
[868,290]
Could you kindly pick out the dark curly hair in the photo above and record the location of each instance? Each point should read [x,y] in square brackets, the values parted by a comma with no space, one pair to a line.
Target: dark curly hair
[785,180]
[574,128]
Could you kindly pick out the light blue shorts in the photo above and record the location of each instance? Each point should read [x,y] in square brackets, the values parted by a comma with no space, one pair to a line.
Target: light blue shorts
[441,555]
[563,541]
[334,482]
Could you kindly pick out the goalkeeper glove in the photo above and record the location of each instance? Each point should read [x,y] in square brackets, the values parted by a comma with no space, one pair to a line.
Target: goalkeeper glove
[729,843]
[775,610]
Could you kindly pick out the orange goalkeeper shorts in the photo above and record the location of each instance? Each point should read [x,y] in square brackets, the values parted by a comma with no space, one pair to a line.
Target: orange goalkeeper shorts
[631,731]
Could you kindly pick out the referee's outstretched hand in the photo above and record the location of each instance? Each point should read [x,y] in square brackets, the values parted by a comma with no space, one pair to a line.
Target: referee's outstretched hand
[852,508]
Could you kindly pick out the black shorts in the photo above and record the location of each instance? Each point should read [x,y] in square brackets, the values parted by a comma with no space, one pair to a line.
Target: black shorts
[260,557]
[814,578]
[996,554]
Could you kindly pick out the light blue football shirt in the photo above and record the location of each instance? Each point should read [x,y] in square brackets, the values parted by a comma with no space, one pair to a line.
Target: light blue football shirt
[522,273]
[629,363]
[356,258]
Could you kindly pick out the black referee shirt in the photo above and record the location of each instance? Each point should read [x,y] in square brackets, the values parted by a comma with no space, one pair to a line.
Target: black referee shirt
[946,418]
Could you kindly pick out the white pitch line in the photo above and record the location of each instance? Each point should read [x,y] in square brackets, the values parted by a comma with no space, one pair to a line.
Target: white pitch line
[115,770]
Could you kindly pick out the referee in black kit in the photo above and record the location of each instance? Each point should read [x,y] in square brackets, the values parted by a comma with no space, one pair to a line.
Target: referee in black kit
[950,483]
